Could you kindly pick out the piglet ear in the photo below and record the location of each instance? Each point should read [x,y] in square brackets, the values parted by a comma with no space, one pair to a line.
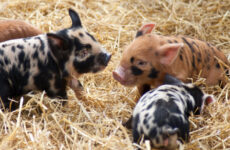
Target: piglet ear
[208,99]
[169,79]
[169,52]
[58,44]
[56,40]
[145,29]
[76,21]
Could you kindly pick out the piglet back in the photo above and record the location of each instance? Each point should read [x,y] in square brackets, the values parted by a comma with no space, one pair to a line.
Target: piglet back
[13,29]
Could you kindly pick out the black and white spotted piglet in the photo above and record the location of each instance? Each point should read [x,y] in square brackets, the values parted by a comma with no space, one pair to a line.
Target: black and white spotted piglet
[161,115]
[47,61]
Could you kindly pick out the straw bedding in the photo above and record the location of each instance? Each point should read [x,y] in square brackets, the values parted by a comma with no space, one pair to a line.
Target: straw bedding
[95,121]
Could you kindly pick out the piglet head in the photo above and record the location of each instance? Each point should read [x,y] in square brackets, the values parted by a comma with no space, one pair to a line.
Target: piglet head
[145,59]
[77,49]
[135,67]
[201,98]
[207,99]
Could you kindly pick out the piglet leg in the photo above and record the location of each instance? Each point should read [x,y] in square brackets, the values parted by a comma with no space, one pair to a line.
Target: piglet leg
[77,87]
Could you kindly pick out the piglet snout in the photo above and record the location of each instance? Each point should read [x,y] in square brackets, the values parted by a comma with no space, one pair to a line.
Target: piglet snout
[119,74]
[104,58]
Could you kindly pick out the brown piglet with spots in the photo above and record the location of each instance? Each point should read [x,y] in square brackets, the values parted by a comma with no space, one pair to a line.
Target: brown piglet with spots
[150,57]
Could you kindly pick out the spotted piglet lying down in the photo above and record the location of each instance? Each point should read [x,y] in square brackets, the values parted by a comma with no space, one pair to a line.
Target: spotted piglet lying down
[150,56]
[46,62]
[161,115]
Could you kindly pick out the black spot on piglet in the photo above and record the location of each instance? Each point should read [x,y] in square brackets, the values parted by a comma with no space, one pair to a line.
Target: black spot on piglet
[91,37]
[84,66]
[217,65]
[13,49]
[1,52]
[7,61]
[20,47]
[136,71]
[21,56]
[153,73]
[139,33]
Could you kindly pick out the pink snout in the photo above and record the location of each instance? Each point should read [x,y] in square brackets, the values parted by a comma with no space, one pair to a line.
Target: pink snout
[119,75]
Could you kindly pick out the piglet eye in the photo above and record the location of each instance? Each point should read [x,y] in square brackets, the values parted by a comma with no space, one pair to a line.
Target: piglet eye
[88,46]
[141,63]
[83,53]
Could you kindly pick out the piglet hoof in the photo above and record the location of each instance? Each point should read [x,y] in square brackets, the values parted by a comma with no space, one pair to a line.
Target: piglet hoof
[76,85]
[77,88]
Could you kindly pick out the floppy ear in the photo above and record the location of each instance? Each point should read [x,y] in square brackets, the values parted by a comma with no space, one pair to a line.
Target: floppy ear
[57,41]
[169,52]
[145,29]
[58,44]
[76,21]
[208,99]
[168,79]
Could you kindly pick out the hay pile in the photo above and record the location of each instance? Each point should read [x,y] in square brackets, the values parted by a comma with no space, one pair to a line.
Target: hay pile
[95,121]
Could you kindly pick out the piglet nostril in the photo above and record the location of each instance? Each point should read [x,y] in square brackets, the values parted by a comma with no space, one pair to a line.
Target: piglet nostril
[104,58]
[116,76]
[108,58]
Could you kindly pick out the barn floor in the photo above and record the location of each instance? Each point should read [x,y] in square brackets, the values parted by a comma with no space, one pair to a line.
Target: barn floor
[95,121]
